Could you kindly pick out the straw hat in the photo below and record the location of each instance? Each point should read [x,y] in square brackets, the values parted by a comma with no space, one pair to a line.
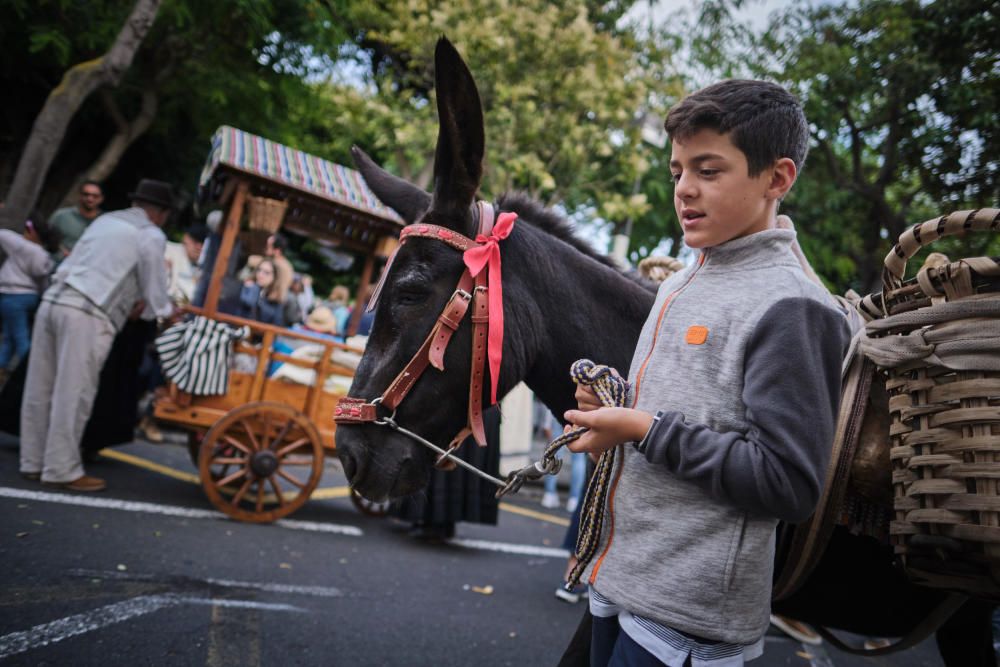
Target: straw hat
[321,319]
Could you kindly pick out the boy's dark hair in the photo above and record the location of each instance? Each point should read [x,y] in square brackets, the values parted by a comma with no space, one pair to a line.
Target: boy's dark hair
[762,119]
[96,184]
[48,235]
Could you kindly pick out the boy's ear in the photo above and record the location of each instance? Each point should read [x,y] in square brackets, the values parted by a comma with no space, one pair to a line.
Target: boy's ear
[783,177]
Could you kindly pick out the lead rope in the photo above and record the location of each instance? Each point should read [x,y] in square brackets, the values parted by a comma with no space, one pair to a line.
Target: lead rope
[612,390]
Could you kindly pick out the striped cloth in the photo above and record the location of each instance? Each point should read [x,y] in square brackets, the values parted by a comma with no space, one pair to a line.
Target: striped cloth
[672,647]
[194,355]
[269,159]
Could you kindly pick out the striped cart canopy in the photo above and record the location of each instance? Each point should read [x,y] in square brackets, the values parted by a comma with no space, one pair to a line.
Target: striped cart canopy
[323,197]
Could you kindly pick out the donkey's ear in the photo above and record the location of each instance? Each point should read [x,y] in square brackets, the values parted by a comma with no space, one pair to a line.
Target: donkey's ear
[401,196]
[458,159]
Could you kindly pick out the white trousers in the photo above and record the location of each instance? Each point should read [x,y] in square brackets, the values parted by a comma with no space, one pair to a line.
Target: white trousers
[68,349]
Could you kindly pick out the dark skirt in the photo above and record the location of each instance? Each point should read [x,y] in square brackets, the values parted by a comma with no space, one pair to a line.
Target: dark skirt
[114,415]
[459,495]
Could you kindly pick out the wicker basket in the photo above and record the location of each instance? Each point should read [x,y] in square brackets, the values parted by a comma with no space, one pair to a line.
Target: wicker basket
[265,214]
[937,337]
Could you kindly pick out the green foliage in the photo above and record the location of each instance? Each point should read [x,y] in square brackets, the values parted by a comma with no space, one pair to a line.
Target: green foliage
[901,96]
[562,88]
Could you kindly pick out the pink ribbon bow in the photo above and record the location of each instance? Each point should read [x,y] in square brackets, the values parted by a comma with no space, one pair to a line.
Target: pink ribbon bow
[487,253]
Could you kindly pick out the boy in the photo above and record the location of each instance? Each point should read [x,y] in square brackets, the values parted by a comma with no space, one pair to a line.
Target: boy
[735,389]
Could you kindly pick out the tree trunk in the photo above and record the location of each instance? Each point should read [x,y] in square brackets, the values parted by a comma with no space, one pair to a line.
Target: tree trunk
[128,131]
[62,104]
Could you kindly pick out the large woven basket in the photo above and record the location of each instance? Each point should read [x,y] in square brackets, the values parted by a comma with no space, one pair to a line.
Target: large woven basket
[265,214]
[937,337]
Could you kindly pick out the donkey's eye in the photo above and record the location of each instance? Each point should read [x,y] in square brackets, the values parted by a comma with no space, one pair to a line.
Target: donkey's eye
[411,296]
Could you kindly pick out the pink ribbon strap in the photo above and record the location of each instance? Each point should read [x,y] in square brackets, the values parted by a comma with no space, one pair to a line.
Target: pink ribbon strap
[487,253]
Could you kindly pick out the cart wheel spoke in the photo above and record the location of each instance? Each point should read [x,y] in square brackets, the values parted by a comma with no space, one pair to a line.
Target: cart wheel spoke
[266,433]
[228,460]
[260,496]
[242,492]
[292,447]
[231,478]
[297,461]
[253,438]
[277,490]
[281,436]
[236,443]
[291,478]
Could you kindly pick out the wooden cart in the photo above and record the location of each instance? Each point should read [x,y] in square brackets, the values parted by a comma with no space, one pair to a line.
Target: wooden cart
[260,447]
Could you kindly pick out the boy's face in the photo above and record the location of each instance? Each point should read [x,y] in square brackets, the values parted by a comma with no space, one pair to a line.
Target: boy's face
[715,197]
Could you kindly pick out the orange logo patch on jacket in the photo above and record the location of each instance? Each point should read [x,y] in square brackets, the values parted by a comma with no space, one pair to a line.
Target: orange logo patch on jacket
[696,335]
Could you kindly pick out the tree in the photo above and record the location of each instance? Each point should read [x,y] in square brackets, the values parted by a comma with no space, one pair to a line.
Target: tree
[562,84]
[62,104]
[901,96]
[238,62]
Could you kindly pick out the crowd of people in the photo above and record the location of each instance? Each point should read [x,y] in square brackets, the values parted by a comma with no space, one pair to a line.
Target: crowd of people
[83,294]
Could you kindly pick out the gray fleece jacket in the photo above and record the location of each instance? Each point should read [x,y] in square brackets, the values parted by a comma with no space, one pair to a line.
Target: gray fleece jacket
[742,354]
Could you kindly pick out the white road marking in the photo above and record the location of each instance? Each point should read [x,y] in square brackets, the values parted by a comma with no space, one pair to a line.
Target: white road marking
[166,510]
[292,524]
[78,624]
[318,591]
[507,548]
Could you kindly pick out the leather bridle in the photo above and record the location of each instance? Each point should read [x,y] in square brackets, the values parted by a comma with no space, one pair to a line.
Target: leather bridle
[470,291]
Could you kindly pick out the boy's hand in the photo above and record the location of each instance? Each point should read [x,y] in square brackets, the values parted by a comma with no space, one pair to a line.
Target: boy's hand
[586,398]
[609,427]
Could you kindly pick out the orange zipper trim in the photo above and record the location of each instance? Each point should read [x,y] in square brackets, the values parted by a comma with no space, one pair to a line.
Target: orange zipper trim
[638,382]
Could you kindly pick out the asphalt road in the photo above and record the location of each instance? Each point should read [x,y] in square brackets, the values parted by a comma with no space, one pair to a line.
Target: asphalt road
[147,573]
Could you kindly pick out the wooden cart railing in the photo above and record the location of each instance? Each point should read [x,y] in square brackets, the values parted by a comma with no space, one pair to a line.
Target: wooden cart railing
[313,401]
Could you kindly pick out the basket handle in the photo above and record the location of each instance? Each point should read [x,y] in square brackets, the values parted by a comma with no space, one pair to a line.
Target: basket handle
[918,236]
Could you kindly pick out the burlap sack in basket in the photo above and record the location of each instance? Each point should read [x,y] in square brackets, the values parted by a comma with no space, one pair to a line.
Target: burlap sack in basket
[937,338]
[265,214]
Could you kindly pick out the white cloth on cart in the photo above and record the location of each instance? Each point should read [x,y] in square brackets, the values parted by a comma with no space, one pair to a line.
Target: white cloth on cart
[194,355]
[334,383]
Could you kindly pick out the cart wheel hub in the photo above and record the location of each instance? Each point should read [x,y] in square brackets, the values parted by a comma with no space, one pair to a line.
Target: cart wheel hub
[263,464]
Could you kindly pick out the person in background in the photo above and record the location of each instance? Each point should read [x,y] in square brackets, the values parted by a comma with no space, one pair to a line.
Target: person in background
[320,323]
[229,297]
[116,272]
[338,302]
[183,264]
[302,291]
[367,317]
[24,275]
[456,495]
[260,298]
[275,251]
[71,221]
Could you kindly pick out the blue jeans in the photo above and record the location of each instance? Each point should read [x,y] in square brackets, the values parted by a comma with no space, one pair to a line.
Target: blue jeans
[578,475]
[610,647]
[15,315]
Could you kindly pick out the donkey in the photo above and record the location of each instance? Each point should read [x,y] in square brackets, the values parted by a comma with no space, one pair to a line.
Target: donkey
[562,302]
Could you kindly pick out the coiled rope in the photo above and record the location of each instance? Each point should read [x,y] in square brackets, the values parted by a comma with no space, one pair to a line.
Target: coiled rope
[612,390]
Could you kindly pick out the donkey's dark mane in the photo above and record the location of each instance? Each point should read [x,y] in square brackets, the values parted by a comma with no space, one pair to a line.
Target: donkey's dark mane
[552,223]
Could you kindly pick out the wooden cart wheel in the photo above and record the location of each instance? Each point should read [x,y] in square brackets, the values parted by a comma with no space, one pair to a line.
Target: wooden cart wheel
[369,507]
[252,461]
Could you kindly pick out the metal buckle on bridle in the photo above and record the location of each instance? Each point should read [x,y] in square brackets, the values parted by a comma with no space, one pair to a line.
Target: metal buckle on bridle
[385,421]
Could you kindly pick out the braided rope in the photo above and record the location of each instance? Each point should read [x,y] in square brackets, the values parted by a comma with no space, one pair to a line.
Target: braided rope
[612,391]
